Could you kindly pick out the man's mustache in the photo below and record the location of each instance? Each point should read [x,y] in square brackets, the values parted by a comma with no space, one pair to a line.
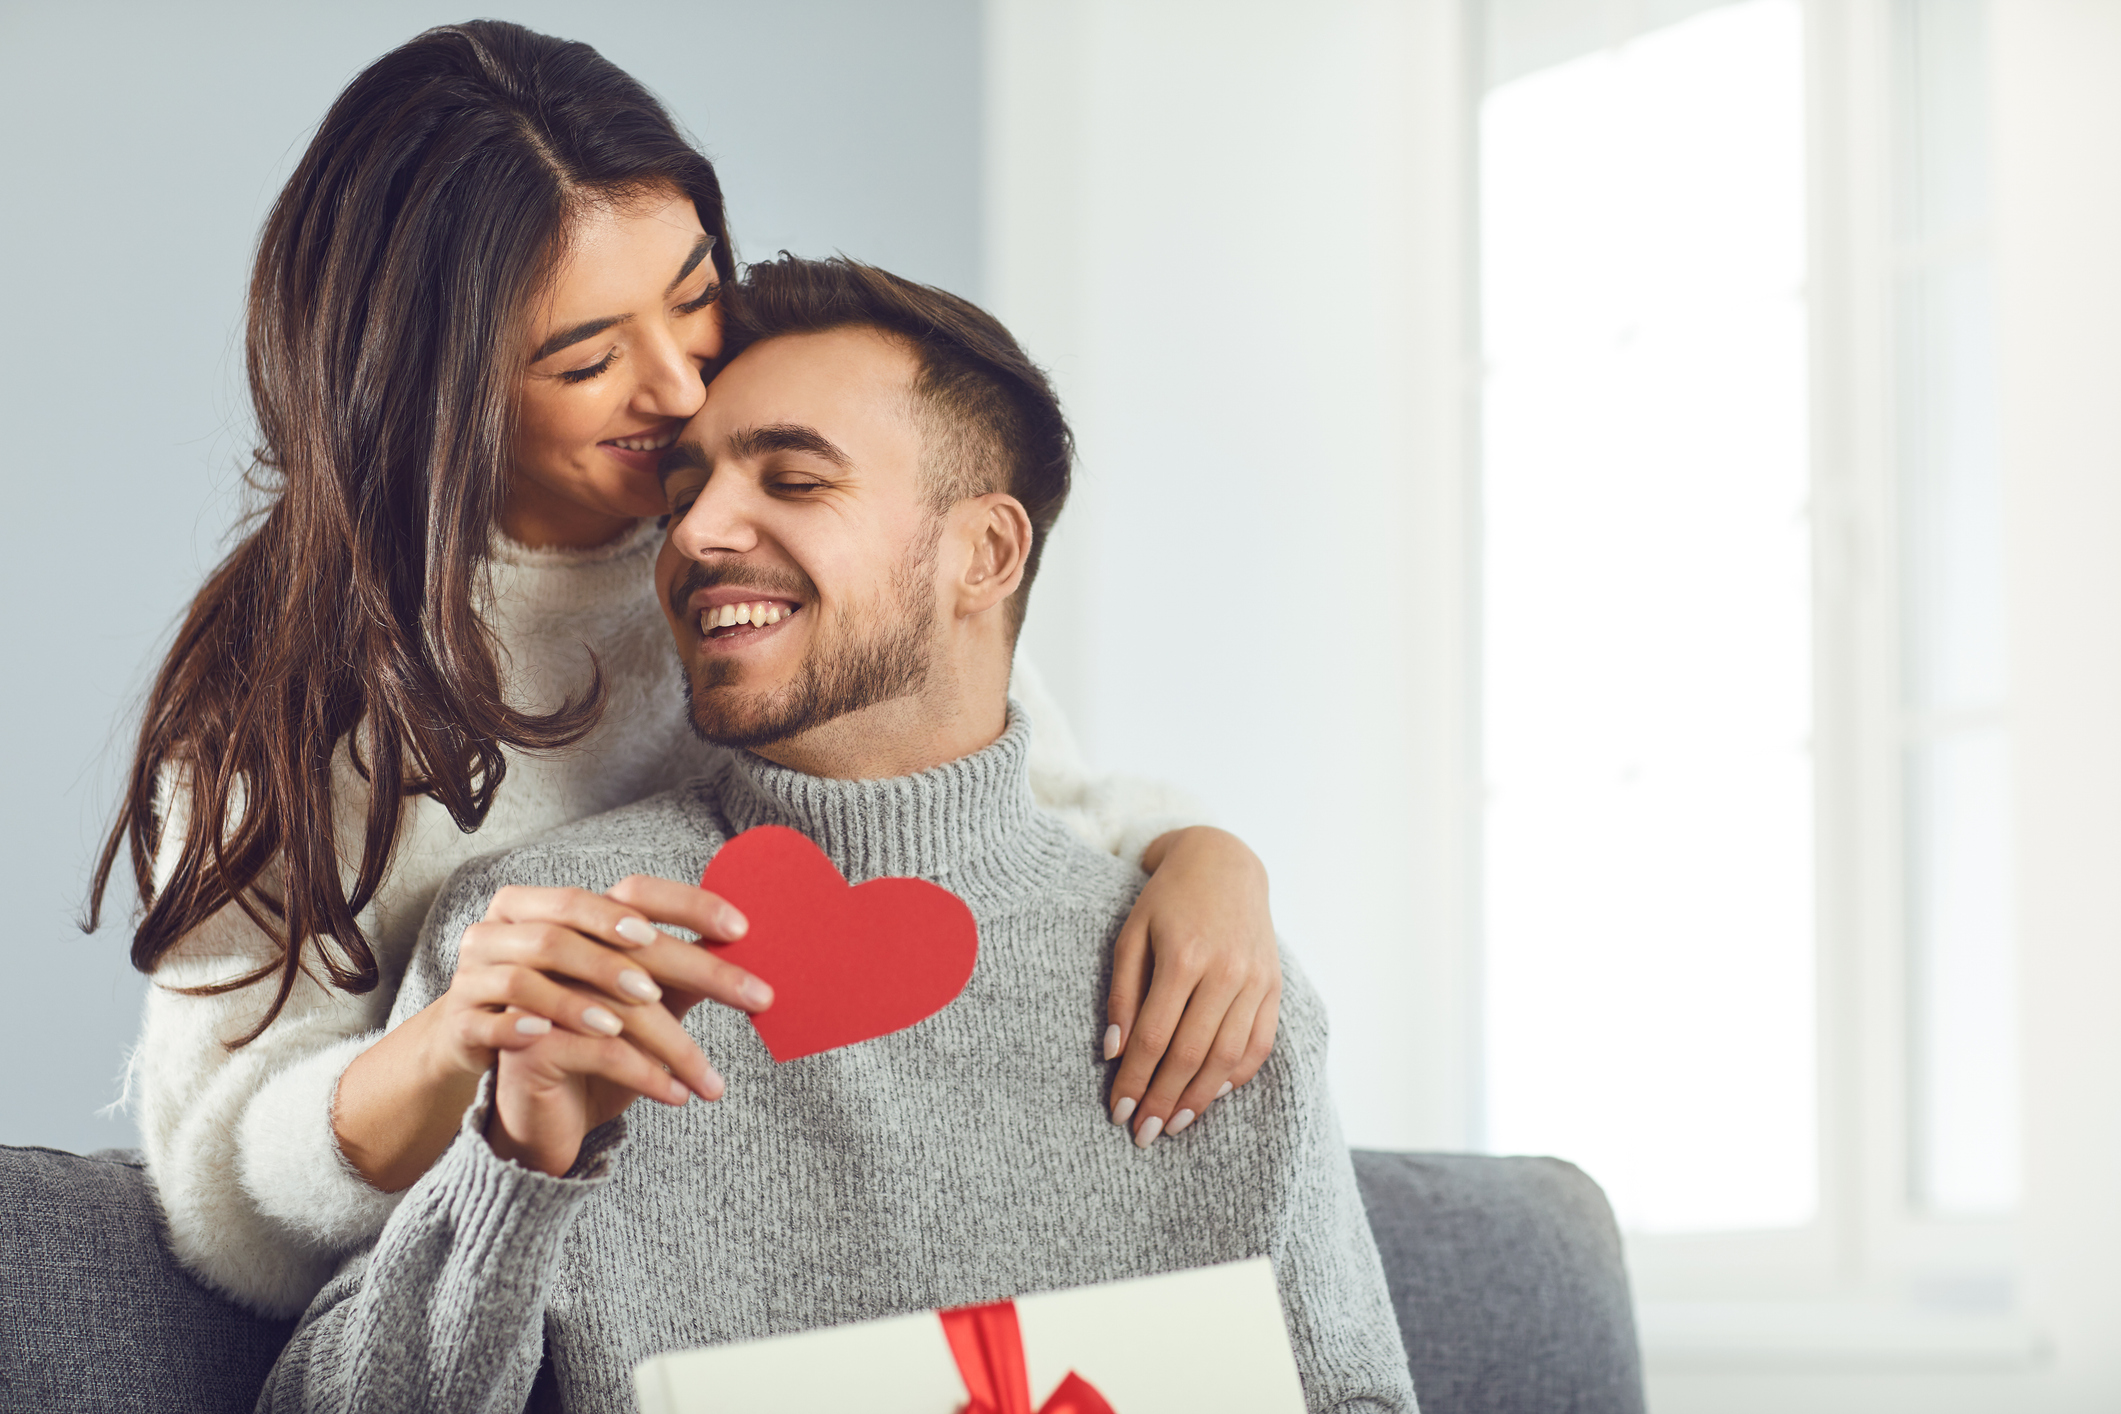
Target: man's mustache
[771,581]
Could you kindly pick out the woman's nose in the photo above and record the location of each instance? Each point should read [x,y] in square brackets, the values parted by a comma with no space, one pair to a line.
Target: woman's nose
[671,384]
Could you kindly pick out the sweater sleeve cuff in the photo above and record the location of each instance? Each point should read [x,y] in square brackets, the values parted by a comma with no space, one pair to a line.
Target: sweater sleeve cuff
[591,1166]
[292,1166]
[462,1273]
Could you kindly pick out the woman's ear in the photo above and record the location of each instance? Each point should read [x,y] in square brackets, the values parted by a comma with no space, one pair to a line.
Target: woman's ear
[994,535]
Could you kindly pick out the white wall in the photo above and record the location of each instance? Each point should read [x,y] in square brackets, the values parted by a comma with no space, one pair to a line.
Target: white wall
[144,143]
[1232,231]
[2058,89]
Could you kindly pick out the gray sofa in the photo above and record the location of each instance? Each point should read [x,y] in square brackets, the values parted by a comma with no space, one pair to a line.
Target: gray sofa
[1506,1274]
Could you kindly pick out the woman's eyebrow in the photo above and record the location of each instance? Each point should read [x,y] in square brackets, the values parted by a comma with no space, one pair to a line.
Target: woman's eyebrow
[692,262]
[593,327]
[575,336]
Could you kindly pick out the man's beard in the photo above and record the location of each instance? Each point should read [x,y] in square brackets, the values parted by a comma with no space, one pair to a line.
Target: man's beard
[841,673]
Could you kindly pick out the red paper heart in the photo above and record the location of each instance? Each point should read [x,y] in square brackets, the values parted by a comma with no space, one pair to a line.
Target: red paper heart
[846,964]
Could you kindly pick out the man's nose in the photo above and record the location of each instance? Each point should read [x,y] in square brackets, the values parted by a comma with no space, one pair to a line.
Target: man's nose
[716,522]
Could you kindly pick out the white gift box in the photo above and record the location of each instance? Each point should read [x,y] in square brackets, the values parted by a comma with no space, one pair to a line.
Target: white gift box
[1208,1340]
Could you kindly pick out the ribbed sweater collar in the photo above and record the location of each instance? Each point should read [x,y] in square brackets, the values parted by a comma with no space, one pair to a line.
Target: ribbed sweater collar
[929,825]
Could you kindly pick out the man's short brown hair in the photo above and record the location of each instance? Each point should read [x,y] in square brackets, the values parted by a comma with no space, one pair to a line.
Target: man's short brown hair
[988,418]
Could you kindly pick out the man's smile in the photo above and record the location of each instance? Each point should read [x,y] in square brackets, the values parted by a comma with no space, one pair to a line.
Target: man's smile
[735,616]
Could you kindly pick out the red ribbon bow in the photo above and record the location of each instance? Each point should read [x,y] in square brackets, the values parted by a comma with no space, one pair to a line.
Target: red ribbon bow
[989,1348]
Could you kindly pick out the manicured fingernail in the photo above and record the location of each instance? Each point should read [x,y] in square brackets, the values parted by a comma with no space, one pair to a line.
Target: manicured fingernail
[598,1019]
[532,1026]
[1112,1041]
[1124,1110]
[712,1087]
[640,986]
[734,925]
[1227,1088]
[1179,1121]
[756,993]
[1146,1135]
[637,931]
[679,1093]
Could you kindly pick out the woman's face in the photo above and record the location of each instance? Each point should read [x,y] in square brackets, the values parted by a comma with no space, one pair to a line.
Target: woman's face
[613,364]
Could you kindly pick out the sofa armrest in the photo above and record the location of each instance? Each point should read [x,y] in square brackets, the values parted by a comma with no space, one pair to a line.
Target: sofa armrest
[1509,1282]
[95,1314]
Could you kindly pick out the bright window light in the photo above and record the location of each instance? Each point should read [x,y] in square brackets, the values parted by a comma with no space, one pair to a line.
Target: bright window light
[1647,623]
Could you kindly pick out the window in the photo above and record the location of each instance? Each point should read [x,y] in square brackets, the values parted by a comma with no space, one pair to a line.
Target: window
[1647,604]
[1745,871]
[1954,665]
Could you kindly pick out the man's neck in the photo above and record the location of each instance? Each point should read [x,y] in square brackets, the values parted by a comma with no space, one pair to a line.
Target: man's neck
[931,727]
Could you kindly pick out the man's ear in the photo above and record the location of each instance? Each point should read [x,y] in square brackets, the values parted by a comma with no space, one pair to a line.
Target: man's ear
[993,537]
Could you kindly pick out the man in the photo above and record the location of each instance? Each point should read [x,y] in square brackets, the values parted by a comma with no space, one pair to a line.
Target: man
[856,518]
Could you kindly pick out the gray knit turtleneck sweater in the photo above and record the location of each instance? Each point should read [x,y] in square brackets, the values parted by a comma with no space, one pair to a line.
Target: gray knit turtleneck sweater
[962,1160]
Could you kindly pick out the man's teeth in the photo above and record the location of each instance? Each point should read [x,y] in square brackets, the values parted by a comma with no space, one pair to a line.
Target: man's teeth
[645,444]
[730,614]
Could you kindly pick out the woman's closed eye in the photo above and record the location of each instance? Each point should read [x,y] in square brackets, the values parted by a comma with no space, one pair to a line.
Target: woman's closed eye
[708,296]
[583,375]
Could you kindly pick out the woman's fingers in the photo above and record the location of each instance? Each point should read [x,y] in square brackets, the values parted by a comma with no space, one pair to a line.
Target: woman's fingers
[640,976]
[690,972]
[650,1027]
[1261,1043]
[666,901]
[1183,1060]
[560,951]
[563,1055]
[1217,1074]
[635,916]
[627,916]
[1151,1035]
[1130,979]
[510,1029]
[660,1037]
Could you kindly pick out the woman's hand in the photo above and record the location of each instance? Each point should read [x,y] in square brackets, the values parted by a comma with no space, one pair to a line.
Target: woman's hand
[1196,982]
[595,967]
[619,1037]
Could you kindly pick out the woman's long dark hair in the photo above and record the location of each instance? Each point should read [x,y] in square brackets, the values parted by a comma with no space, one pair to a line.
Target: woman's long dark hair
[387,318]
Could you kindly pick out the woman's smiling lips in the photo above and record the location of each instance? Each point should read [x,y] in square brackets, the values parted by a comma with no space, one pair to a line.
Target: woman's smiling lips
[642,451]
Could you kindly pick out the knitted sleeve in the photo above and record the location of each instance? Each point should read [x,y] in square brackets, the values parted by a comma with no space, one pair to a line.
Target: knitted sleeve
[446,1311]
[1121,815]
[259,1200]
[1341,1323]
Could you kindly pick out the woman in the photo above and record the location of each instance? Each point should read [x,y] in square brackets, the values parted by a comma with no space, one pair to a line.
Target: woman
[447,590]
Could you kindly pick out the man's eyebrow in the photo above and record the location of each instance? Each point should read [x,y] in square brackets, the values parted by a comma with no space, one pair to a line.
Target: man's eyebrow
[692,263]
[685,456]
[754,442]
[575,335]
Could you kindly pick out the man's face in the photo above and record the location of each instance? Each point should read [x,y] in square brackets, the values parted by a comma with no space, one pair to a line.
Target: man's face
[798,575]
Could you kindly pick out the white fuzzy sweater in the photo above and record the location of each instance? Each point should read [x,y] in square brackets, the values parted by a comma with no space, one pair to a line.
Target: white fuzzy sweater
[260,1202]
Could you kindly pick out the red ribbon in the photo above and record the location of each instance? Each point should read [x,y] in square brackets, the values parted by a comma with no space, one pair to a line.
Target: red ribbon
[989,1348]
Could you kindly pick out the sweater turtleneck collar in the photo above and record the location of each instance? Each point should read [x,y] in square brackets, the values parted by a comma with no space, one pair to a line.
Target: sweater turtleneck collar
[926,826]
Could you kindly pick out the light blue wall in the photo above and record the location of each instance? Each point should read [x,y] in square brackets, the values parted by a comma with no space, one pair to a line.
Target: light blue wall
[143,146]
